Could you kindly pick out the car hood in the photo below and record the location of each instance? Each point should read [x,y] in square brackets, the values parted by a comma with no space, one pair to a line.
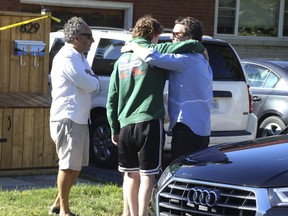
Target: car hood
[258,163]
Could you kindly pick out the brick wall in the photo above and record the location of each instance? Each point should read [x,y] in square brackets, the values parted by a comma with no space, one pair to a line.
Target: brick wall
[166,11]
[9,5]
[260,48]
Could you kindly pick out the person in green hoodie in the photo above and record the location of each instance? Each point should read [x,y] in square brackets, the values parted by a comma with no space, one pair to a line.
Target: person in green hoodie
[135,112]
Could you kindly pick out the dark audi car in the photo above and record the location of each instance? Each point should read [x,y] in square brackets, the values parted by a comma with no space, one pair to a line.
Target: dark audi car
[244,179]
[268,80]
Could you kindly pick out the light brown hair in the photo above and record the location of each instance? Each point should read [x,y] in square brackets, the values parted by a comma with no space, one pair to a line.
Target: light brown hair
[146,27]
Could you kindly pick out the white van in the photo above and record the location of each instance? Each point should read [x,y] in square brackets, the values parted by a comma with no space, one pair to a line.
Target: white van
[232,118]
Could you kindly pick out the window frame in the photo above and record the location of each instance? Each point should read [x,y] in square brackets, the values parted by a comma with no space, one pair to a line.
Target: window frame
[236,24]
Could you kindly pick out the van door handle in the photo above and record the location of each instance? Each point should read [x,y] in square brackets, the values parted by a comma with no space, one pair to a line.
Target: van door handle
[222,94]
[256,98]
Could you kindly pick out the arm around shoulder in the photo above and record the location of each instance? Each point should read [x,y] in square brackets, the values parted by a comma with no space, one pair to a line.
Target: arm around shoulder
[188,46]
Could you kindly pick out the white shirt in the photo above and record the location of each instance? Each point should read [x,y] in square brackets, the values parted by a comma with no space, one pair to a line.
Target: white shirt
[71,86]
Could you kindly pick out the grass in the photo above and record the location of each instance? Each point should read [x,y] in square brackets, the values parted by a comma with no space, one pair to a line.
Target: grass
[85,199]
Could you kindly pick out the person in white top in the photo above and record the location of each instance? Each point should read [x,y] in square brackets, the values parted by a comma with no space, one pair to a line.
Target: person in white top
[72,81]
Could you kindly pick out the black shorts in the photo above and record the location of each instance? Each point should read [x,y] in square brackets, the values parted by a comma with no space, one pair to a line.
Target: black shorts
[140,147]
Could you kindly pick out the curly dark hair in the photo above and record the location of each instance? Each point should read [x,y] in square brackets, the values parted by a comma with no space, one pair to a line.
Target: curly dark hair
[192,27]
[72,27]
[147,27]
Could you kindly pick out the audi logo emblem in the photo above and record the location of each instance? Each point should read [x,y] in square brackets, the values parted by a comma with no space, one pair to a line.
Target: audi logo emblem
[203,196]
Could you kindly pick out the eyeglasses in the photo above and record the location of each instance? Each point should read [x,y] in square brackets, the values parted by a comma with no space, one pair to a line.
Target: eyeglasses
[88,35]
[177,34]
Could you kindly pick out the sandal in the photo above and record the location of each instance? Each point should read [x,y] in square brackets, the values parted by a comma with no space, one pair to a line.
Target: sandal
[72,214]
[54,210]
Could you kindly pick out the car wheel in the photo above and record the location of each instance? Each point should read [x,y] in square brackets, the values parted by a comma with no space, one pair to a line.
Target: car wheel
[272,125]
[103,153]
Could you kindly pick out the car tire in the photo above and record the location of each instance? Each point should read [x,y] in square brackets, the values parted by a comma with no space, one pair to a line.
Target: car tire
[103,153]
[270,126]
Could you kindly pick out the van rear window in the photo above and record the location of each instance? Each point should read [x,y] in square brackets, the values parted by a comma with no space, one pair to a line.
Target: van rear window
[224,63]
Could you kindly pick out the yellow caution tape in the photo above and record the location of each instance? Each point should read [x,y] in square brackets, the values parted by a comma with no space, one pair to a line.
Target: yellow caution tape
[55,19]
[28,21]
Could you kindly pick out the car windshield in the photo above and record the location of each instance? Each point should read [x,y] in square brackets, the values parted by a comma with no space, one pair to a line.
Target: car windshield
[108,51]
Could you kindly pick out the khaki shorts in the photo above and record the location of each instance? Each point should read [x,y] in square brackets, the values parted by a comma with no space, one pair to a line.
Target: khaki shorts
[72,143]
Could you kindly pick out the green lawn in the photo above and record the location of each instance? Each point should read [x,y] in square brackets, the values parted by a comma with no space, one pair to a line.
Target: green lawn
[85,199]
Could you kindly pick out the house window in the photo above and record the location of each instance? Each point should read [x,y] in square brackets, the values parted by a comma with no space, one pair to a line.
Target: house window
[285,27]
[226,17]
[260,18]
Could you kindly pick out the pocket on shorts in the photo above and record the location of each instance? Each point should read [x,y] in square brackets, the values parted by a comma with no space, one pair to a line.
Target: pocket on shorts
[53,130]
[60,129]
